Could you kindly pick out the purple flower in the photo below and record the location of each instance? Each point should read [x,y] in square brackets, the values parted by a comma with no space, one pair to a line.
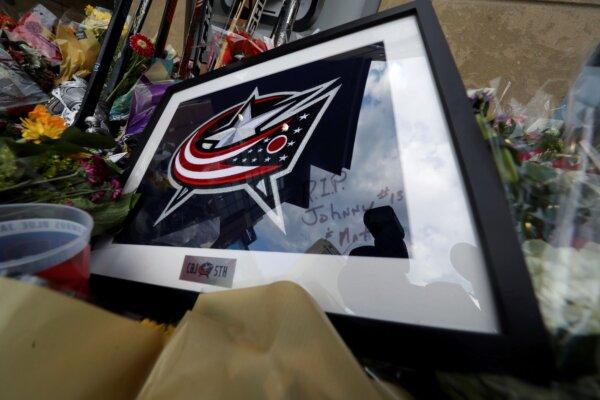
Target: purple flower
[95,169]
[117,189]
[96,197]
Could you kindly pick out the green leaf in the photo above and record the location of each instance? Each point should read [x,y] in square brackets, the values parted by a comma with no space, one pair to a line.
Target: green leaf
[539,173]
[65,147]
[113,166]
[25,149]
[107,216]
[93,140]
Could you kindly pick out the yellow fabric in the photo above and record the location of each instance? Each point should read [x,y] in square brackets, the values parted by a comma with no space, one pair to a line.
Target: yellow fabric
[55,347]
[79,55]
[267,342]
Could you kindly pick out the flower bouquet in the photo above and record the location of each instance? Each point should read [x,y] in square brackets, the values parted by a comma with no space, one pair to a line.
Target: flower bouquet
[43,160]
[40,51]
[551,173]
[550,167]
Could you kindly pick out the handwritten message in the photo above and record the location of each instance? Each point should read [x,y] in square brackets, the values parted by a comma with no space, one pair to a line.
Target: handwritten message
[341,222]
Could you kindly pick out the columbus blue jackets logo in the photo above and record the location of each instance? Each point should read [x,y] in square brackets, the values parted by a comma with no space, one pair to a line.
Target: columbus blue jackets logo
[249,146]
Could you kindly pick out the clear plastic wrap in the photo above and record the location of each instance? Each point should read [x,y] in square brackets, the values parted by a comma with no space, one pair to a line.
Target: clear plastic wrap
[79,42]
[137,105]
[547,153]
[35,28]
[18,92]
[226,47]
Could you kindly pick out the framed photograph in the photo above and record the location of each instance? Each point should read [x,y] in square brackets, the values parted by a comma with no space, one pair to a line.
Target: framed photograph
[350,163]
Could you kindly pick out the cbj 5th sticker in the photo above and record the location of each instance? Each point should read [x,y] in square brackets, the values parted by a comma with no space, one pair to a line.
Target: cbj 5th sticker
[248,146]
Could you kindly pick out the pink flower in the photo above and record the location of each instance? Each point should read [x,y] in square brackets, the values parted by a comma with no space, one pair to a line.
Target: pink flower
[117,189]
[95,169]
[96,197]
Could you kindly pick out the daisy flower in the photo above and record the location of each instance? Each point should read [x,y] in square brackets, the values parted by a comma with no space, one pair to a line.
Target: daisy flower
[41,124]
[141,45]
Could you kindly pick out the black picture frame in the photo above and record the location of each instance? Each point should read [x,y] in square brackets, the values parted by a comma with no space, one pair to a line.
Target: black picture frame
[522,347]
[103,62]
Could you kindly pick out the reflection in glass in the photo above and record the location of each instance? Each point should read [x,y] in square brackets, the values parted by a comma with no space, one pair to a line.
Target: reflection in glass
[375,220]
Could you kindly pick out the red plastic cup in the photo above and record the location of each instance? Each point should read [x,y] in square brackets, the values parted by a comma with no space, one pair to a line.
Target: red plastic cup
[48,240]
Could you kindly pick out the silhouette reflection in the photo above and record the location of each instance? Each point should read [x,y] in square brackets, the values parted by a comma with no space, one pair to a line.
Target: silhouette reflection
[387,230]
[451,304]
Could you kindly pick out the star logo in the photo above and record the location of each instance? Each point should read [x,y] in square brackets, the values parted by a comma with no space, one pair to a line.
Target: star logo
[225,153]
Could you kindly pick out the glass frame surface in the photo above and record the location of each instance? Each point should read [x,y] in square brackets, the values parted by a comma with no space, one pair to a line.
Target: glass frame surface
[520,346]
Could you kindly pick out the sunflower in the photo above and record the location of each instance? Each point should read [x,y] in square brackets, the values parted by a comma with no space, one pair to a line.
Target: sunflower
[141,45]
[41,124]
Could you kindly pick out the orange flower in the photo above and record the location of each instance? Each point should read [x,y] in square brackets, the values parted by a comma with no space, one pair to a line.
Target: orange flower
[38,112]
[41,124]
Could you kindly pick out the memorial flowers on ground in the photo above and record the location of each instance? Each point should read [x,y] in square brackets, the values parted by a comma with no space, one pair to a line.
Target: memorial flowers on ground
[44,60]
[551,175]
[44,161]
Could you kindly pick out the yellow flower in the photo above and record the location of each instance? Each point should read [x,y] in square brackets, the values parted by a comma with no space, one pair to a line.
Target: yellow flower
[32,130]
[166,329]
[97,20]
[41,124]
[98,16]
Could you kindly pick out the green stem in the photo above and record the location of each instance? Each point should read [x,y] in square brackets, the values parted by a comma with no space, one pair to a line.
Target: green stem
[38,182]
[66,195]
[125,78]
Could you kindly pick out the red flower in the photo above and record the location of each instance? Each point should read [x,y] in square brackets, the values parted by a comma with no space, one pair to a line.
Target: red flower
[566,163]
[95,169]
[527,155]
[7,22]
[141,45]
[524,155]
[117,189]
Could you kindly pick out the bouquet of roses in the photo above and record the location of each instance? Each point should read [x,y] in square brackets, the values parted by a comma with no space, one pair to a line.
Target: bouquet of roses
[551,172]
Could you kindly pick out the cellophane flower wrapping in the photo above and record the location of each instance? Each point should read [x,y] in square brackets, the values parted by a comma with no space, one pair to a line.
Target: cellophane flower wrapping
[549,160]
[146,96]
[78,38]
[137,105]
[225,47]
[35,28]
[18,92]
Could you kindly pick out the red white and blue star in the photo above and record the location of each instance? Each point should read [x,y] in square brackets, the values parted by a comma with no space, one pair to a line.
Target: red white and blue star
[248,147]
